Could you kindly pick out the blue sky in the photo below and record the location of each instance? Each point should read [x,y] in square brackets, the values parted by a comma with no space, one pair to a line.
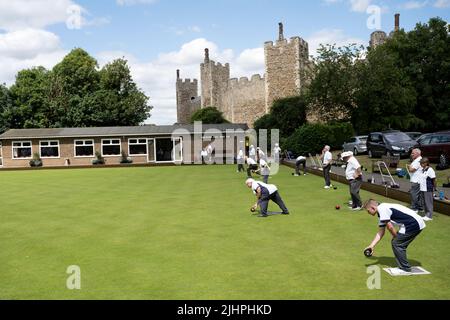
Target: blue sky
[159,36]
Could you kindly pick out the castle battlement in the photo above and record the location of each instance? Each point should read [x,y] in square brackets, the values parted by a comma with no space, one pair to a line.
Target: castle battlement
[245,81]
[286,42]
[216,64]
[246,99]
[187,81]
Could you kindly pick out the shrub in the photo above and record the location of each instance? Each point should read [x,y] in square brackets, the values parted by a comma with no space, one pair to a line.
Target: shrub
[125,159]
[99,160]
[36,161]
[341,132]
[311,138]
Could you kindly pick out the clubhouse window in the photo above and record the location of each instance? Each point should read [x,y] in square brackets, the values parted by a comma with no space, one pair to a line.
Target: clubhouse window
[111,147]
[21,150]
[84,148]
[49,149]
[137,147]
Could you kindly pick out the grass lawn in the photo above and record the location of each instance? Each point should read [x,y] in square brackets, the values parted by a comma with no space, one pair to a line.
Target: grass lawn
[187,233]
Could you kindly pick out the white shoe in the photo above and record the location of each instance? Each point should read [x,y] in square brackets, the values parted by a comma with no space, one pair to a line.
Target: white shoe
[296,175]
[326,187]
[357,209]
[427,219]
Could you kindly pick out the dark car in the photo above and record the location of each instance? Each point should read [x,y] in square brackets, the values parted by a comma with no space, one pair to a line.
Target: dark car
[436,147]
[392,143]
[414,135]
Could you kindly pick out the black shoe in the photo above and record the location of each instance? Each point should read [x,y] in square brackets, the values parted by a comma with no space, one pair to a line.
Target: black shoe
[263,216]
[286,213]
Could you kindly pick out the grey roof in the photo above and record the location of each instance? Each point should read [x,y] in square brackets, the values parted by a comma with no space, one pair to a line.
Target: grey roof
[111,131]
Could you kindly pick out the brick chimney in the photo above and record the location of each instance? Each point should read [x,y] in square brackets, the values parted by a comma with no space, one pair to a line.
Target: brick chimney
[280,31]
[178,74]
[206,55]
[397,22]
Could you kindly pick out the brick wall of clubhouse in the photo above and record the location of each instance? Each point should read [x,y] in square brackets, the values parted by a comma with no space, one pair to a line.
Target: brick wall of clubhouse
[67,151]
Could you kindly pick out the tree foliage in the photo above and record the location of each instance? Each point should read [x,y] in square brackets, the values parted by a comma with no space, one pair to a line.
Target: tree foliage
[286,114]
[331,92]
[75,93]
[209,115]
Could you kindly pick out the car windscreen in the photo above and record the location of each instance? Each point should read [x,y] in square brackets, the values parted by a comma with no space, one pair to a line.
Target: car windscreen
[363,140]
[397,137]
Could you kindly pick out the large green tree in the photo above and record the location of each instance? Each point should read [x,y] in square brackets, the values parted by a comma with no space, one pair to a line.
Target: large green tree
[334,79]
[385,95]
[76,94]
[209,115]
[286,114]
[424,56]
[5,104]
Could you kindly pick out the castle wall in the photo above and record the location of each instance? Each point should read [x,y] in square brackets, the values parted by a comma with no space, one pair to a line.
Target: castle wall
[246,100]
[214,79]
[187,100]
[377,38]
[284,61]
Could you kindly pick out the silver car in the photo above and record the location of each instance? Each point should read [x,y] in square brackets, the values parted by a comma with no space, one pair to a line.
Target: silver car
[356,144]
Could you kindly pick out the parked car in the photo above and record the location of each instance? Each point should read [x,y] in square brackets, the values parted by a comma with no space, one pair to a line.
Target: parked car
[414,135]
[391,143]
[357,145]
[436,147]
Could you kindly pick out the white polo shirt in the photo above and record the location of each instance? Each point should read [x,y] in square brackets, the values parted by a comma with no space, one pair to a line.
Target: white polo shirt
[250,161]
[327,158]
[270,187]
[405,218]
[301,158]
[265,169]
[352,166]
[240,155]
[415,176]
[426,179]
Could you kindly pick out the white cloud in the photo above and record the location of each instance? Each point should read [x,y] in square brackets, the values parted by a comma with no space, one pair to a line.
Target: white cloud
[442,4]
[133,2]
[28,43]
[331,36]
[184,30]
[26,49]
[20,14]
[360,5]
[410,5]
[157,77]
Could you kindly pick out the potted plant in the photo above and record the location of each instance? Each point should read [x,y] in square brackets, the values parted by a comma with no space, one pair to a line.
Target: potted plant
[99,159]
[36,161]
[125,159]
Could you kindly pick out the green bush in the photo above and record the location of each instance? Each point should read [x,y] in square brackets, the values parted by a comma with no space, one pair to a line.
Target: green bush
[99,160]
[341,132]
[311,138]
[36,161]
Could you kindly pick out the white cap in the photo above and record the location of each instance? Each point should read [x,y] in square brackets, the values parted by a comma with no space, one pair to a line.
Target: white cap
[250,180]
[346,154]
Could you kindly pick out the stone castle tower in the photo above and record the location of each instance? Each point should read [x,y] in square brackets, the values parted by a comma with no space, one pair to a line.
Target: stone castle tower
[188,101]
[379,37]
[246,100]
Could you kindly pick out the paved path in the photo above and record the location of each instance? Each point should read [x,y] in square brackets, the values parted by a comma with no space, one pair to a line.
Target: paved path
[404,183]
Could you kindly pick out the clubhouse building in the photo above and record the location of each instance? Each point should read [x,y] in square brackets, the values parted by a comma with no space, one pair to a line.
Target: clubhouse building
[148,144]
